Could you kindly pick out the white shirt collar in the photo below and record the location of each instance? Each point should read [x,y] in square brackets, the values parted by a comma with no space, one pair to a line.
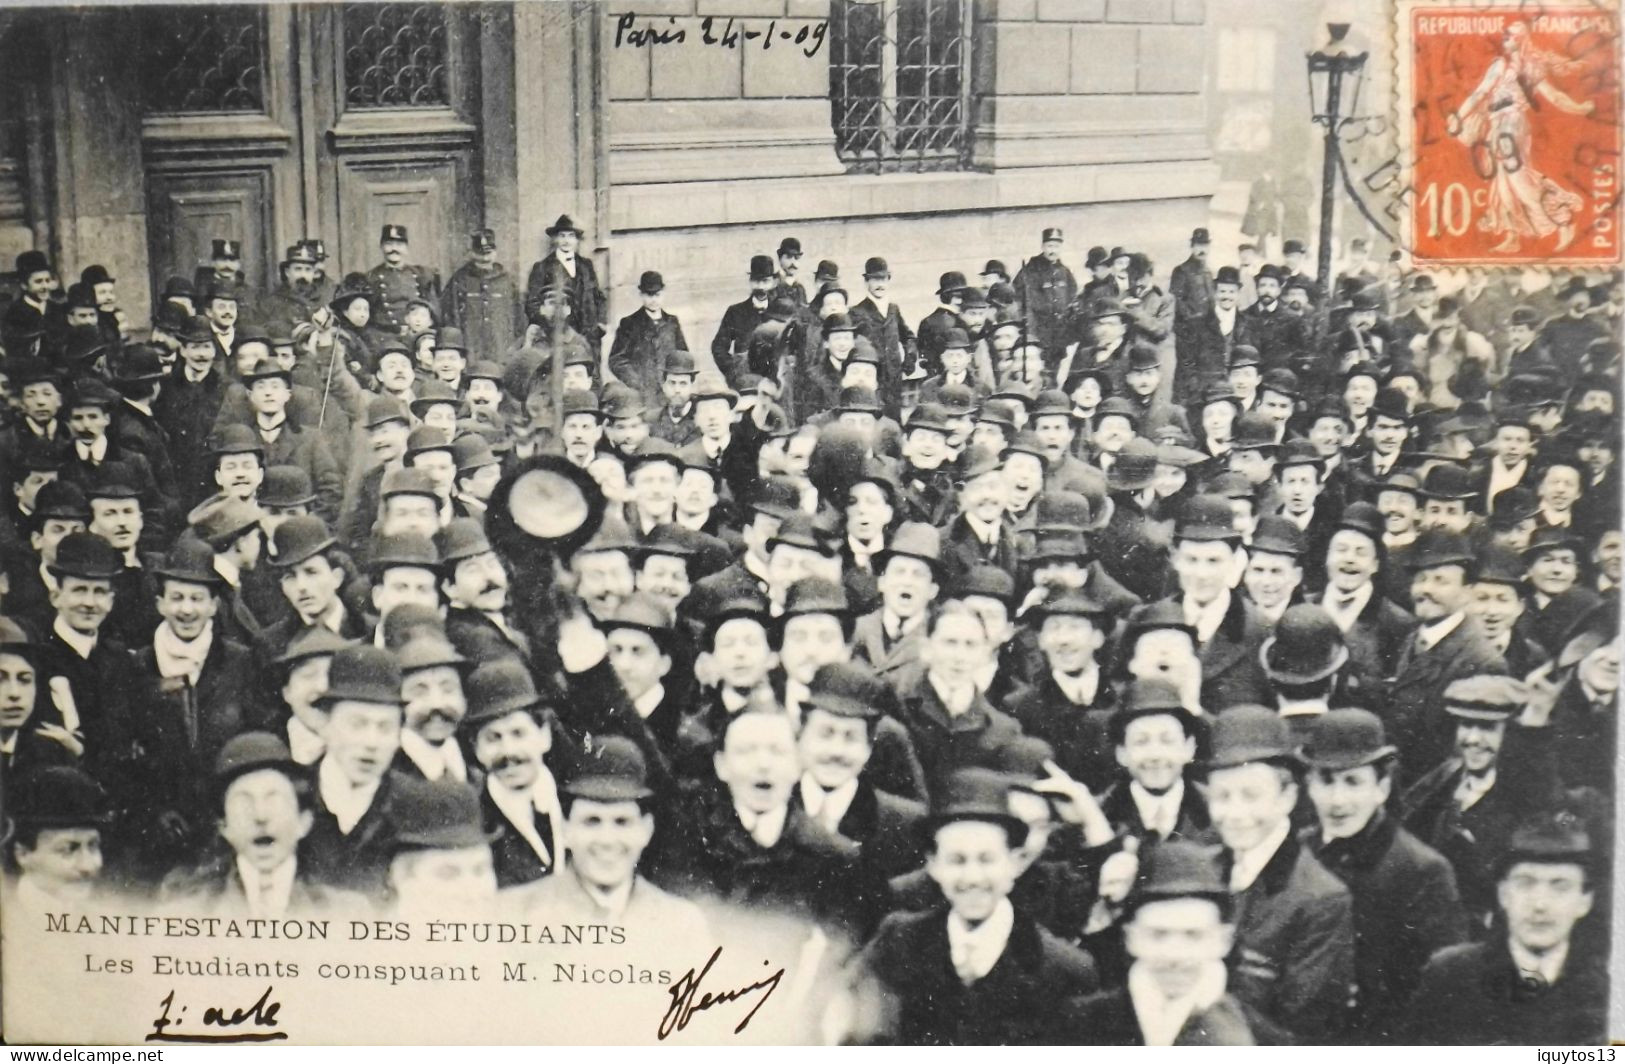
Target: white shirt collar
[1162,1018]
[827,807]
[986,532]
[83,645]
[433,761]
[347,802]
[975,950]
[229,571]
[649,701]
[1345,616]
[175,656]
[1080,689]
[614,902]
[1158,812]
[955,702]
[268,893]
[520,809]
[140,405]
[1429,636]
[1250,863]
[1206,619]
[95,450]
[766,828]
[1472,788]
[1548,965]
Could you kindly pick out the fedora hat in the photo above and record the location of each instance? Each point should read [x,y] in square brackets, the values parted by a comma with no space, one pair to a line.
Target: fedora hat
[976,794]
[363,673]
[1246,734]
[1305,648]
[612,769]
[1135,466]
[1347,738]
[439,815]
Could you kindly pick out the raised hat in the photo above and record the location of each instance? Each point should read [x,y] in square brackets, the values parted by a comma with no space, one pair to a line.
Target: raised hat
[612,769]
[363,673]
[1245,734]
[298,539]
[1347,738]
[1306,647]
[58,796]
[87,556]
[976,794]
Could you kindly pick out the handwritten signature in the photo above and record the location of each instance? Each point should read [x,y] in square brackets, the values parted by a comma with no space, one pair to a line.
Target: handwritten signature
[684,1005]
[263,1013]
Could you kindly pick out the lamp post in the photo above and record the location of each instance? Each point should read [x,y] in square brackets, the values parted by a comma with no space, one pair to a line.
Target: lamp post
[1327,69]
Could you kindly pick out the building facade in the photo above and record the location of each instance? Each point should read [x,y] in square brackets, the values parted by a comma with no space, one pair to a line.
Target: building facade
[684,134]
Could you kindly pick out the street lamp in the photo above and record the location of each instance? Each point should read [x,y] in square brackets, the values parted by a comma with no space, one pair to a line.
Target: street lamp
[1327,69]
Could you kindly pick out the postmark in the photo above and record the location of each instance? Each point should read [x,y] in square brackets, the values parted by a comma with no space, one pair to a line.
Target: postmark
[1510,115]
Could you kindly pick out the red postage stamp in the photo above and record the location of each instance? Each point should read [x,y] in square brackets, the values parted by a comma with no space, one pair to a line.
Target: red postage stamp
[1513,117]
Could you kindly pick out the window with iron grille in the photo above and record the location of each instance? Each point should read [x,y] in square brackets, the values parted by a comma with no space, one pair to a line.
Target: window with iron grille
[395,55]
[899,83]
[203,59]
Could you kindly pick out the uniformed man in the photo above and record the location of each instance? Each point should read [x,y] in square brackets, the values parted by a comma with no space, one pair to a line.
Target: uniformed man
[395,282]
[1046,288]
[293,301]
[483,301]
[225,273]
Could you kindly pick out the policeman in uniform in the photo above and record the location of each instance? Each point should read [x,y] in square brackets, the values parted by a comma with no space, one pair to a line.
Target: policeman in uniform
[292,301]
[225,271]
[396,283]
[1046,288]
[482,300]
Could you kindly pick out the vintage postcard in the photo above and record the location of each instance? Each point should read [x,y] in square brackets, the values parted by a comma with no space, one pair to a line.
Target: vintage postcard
[810,522]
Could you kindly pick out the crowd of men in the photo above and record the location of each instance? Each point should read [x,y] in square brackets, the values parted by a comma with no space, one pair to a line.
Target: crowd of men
[1222,661]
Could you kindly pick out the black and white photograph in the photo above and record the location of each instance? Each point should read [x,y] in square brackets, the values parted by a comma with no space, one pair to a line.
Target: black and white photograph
[810,522]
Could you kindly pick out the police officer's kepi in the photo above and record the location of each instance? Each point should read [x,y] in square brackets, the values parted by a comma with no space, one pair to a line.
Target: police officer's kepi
[483,240]
[226,250]
[393,233]
[1053,234]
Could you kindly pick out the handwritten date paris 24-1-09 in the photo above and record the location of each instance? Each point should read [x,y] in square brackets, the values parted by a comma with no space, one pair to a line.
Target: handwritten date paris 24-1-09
[805,34]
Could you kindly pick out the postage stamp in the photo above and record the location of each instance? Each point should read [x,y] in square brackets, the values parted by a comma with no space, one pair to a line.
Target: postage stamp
[1510,113]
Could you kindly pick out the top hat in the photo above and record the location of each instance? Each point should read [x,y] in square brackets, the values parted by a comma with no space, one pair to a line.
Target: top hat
[87,556]
[58,796]
[849,689]
[30,263]
[496,689]
[298,539]
[189,561]
[789,246]
[1347,738]
[363,673]
[976,794]
[1206,519]
[438,815]
[1245,734]
[565,224]
[1135,466]
[393,232]
[251,751]
[612,769]
[1306,647]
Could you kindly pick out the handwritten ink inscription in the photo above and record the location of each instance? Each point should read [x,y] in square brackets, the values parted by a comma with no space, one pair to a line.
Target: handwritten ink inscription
[686,998]
[713,32]
[218,1022]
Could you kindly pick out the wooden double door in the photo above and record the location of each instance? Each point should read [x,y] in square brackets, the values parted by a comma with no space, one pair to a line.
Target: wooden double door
[269,124]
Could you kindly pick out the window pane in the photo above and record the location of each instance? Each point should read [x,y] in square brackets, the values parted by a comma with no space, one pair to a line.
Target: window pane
[203,59]
[395,55]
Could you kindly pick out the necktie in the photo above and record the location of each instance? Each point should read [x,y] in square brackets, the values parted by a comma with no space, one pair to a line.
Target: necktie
[827,813]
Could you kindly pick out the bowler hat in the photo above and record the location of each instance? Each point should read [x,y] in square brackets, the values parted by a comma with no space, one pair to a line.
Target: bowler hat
[813,594]
[1364,518]
[644,613]
[1162,614]
[1292,247]
[15,639]
[1550,539]
[286,486]
[930,416]
[62,500]
[472,452]
[316,642]
[428,649]
[876,267]
[1135,466]
[1150,697]
[427,438]
[496,689]
[1270,272]
[1176,868]
[1392,404]
[450,338]
[712,385]
[1062,511]
[1281,381]
[1448,481]
[439,815]
[913,539]
[1306,647]
[1143,356]
[843,323]
[1073,602]
[267,369]
[1206,519]
[1436,547]
[651,282]
[950,282]
[1275,534]
[850,689]
[403,550]
[1058,547]
[1343,739]
[1220,392]
[976,794]
[189,561]
[87,556]
[996,267]
[236,438]
[90,391]
[251,751]
[1096,256]
[679,363]
[956,400]
[1254,432]
[58,796]
[775,496]
[363,673]
[1549,836]
[113,480]
[799,530]
[94,275]
[140,365]
[612,769]
[985,581]
[462,538]
[432,393]
[859,399]
[762,268]
[1227,275]
[298,539]
[1298,452]
[1229,485]
[790,246]
[1243,355]
[30,263]
[1246,734]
